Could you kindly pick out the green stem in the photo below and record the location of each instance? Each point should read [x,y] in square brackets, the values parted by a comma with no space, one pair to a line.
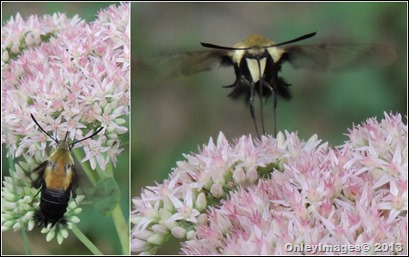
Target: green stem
[118,217]
[79,155]
[121,228]
[85,240]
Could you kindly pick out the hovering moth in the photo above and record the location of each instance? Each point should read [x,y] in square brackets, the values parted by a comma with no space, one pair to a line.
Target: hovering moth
[257,63]
[57,180]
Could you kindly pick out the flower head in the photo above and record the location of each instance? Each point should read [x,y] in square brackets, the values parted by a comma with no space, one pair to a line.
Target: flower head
[75,81]
[73,77]
[312,194]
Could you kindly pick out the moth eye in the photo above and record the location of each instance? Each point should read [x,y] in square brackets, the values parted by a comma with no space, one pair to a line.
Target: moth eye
[67,167]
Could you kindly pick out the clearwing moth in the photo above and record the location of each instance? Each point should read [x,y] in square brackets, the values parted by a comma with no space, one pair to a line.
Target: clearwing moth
[257,62]
[57,180]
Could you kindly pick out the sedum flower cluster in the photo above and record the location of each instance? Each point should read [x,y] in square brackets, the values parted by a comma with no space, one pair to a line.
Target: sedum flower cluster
[72,76]
[272,195]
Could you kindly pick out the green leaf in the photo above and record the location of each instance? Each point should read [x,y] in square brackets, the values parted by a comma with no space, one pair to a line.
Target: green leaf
[106,196]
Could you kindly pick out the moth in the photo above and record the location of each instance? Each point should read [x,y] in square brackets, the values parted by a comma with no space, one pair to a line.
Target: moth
[57,180]
[257,63]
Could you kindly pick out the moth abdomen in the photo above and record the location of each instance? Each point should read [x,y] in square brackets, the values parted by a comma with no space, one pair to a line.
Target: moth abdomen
[53,206]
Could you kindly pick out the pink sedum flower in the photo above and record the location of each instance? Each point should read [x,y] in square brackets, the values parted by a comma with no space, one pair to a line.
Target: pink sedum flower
[19,34]
[275,194]
[73,76]
[77,81]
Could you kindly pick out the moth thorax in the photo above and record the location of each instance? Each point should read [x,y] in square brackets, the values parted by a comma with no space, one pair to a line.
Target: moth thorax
[254,41]
[257,51]
[62,153]
[275,53]
[63,145]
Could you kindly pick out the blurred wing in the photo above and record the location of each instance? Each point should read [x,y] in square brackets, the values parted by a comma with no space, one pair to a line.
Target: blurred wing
[74,182]
[194,62]
[339,57]
[39,181]
[187,63]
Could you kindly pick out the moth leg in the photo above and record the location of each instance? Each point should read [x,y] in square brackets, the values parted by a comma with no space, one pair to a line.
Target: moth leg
[251,104]
[274,95]
[274,112]
[260,95]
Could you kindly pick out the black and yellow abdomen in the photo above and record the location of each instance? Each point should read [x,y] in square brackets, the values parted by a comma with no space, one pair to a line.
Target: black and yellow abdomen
[53,206]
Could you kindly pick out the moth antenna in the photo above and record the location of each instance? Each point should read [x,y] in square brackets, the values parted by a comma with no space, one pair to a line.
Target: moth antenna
[66,136]
[207,45]
[35,121]
[296,39]
[96,132]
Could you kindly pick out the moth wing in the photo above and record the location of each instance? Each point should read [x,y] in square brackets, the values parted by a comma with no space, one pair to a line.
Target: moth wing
[184,64]
[74,181]
[39,181]
[339,57]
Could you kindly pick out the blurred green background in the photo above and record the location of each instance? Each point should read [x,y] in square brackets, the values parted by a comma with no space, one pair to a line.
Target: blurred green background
[96,227]
[177,116]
